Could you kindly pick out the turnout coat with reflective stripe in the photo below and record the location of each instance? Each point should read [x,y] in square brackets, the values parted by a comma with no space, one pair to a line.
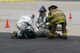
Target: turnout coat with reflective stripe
[56,16]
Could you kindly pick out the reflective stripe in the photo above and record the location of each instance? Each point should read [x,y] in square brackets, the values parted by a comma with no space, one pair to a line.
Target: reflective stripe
[57,12]
[56,16]
[51,34]
[58,20]
[64,33]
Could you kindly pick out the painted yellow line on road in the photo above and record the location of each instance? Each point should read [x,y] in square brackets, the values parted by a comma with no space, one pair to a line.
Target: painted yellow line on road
[16,0]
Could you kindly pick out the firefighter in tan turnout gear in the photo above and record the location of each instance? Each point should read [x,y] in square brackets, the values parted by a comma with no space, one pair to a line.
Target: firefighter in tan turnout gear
[43,25]
[56,17]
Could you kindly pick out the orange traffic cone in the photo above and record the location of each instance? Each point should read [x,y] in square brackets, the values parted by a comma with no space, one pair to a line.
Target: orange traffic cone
[7,24]
[70,17]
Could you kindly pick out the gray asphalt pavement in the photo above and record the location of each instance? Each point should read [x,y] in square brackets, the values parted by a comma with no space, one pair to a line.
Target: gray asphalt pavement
[39,45]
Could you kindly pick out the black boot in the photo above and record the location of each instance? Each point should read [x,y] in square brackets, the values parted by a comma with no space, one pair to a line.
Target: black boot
[14,35]
[51,37]
[64,37]
[58,35]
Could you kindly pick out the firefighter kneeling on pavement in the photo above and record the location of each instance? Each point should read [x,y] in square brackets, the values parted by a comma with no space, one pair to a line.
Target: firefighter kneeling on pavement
[56,17]
[43,25]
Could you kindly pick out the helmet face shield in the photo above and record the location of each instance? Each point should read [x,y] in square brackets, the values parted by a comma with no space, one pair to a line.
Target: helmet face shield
[42,9]
[42,14]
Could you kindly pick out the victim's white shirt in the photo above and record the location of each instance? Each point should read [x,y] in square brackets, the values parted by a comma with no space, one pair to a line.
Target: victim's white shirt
[21,23]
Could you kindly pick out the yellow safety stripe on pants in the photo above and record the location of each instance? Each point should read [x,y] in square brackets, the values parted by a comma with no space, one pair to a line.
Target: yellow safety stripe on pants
[16,0]
[51,34]
[57,12]
[64,33]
